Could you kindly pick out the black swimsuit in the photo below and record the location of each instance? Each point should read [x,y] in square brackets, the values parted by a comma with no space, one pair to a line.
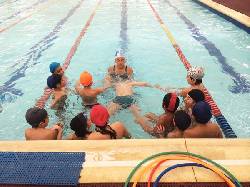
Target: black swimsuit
[117,77]
[124,101]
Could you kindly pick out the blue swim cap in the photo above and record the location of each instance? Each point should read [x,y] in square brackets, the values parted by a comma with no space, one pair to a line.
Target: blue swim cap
[53,80]
[53,66]
[202,112]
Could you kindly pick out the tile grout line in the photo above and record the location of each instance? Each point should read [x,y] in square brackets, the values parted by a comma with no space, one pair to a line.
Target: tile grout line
[192,167]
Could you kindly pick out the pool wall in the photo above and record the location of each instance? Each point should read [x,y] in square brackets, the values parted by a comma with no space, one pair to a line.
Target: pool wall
[108,162]
[233,11]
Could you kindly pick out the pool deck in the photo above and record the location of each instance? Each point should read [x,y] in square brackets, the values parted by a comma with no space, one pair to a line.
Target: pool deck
[110,162]
[238,10]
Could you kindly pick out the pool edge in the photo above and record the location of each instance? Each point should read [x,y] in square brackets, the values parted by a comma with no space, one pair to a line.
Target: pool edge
[237,18]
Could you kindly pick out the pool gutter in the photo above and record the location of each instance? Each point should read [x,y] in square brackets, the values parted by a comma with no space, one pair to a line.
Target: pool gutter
[239,19]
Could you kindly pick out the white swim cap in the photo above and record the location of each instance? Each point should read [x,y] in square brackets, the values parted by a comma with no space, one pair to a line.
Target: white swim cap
[196,73]
[119,54]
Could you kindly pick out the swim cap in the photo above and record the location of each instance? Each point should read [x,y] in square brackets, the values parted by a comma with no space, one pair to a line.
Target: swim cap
[119,54]
[86,78]
[35,115]
[53,80]
[202,112]
[99,115]
[53,66]
[196,73]
[170,102]
[197,95]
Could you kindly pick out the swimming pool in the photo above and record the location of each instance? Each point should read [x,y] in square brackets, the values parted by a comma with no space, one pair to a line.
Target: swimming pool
[34,33]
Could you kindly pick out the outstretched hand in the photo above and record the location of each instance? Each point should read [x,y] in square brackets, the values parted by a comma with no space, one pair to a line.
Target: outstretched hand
[157,86]
[151,116]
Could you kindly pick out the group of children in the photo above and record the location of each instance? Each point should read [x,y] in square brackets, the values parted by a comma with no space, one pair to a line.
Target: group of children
[193,120]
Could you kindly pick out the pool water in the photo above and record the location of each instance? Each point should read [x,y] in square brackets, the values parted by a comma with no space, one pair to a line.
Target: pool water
[34,33]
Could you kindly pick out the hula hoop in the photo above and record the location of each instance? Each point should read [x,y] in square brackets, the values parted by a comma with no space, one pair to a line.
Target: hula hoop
[189,158]
[171,168]
[180,153]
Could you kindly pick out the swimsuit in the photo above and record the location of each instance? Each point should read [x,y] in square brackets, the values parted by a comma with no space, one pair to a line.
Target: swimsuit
[124,101]
[117,77]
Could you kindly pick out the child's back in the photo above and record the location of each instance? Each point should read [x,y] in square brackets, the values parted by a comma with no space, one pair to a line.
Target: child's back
[40,134]
[84,89]
[118,127]
[38,119]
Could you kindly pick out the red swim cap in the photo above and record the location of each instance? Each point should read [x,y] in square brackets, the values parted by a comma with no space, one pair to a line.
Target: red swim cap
[99,115]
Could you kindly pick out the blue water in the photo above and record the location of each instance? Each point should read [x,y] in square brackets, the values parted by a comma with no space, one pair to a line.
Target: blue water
[206,39]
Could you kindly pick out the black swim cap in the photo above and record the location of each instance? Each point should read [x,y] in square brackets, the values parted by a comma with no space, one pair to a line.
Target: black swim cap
[197,95]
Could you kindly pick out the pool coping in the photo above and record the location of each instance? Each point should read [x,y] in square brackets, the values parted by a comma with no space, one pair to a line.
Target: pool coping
[113,160]
[239,19]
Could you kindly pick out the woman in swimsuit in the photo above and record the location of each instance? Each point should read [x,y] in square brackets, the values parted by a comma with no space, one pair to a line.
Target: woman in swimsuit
[119,71]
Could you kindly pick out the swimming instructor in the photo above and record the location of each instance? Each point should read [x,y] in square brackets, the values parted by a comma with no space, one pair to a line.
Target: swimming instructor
[119,71]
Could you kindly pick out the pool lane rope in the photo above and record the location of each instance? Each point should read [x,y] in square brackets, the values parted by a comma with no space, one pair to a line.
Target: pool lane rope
[47,91]
[221,120]
[22,11]
[176,155]
[22,19]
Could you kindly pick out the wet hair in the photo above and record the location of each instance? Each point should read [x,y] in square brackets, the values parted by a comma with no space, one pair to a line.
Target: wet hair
[34,116]
[197,81]
[53,80]
[170,102]
[202,112]
[106,130]
[182,120]
[197,95]
[79,125]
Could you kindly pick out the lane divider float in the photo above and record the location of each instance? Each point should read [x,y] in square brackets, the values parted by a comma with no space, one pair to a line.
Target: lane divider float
[47,91]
